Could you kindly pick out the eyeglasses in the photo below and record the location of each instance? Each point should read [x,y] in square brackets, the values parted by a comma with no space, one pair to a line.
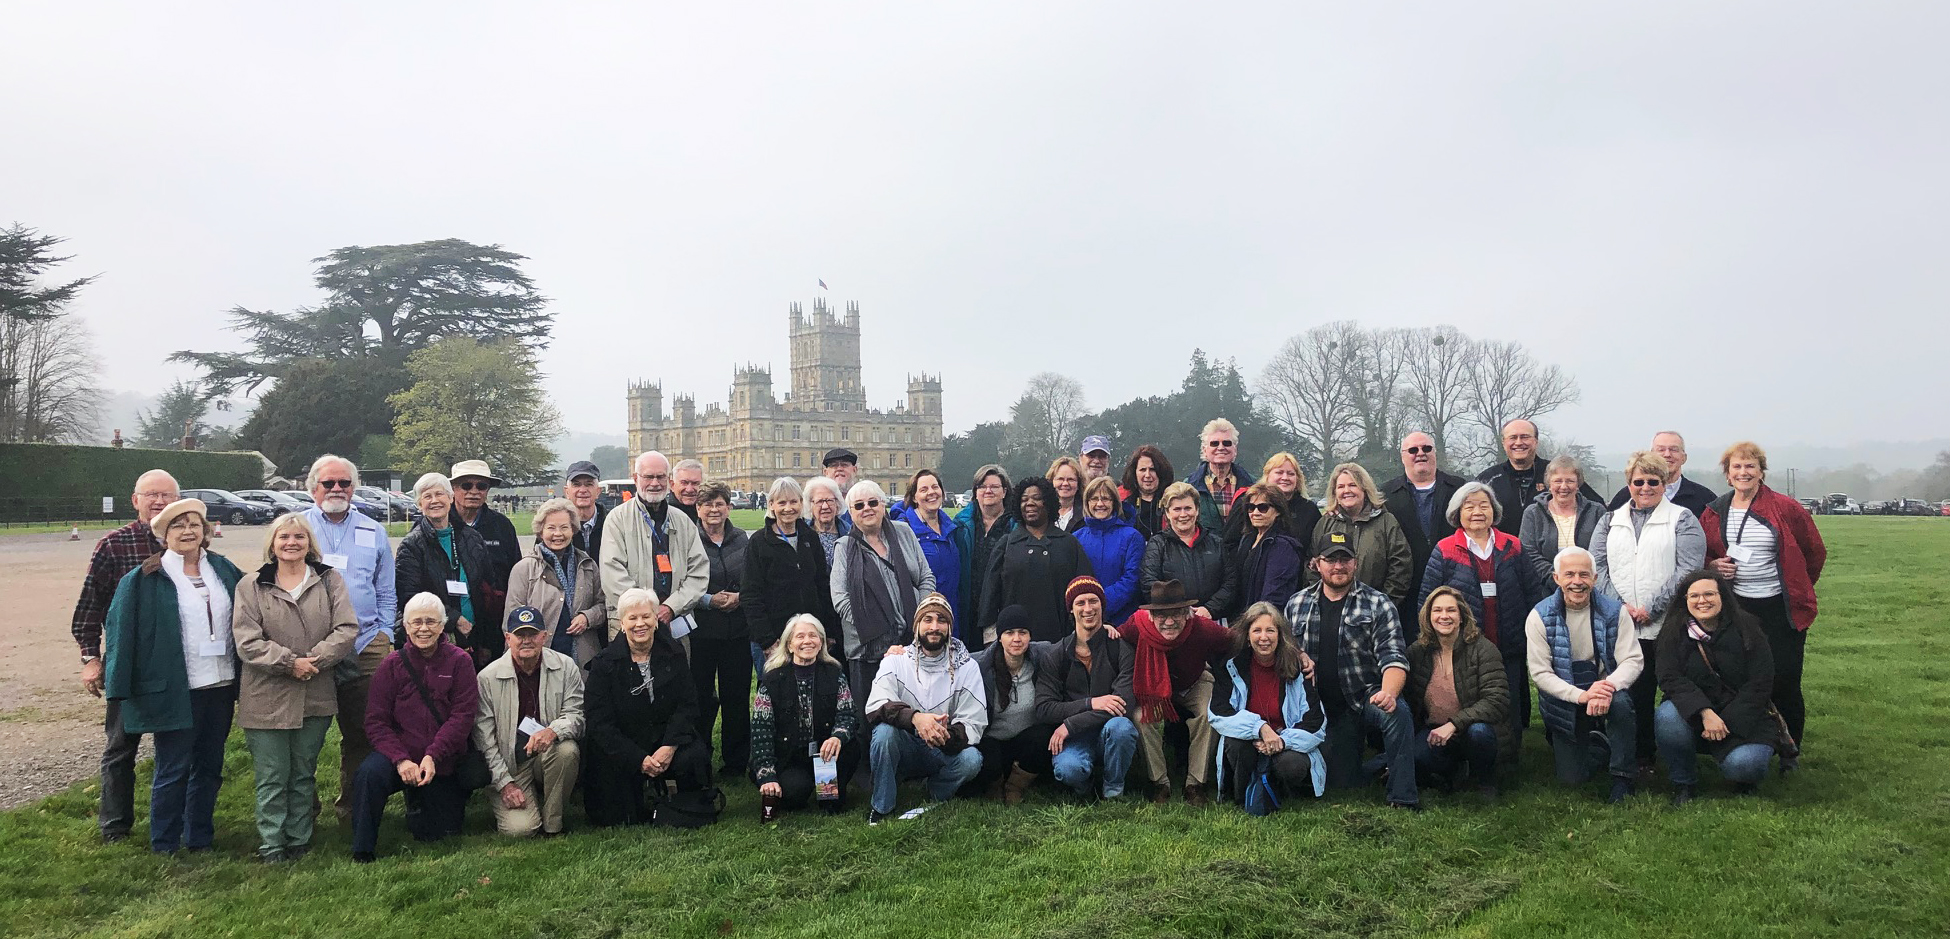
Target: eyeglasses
[1418,451]
[869,504]
[1648,483]
[647,478]
[472,487]
[1219,444]
[336,483]
[993,488]
[165,494]
[1260,507]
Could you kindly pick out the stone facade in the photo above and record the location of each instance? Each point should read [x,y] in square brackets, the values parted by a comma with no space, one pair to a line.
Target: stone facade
[754,438]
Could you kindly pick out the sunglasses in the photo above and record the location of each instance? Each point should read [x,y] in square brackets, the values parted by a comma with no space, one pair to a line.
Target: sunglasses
[335,483]
[1418,451]
[869,504]
[472,487]
[1260,507]
[1219,444]
[1648,483]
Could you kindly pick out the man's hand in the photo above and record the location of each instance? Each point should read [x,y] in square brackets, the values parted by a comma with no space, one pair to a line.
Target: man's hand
[512,797]
[1201,612]
[1307,666]
[91,676]
[664,615]
[1056,740]
[931,728]
[462,626]
[1109,704]
[537,742]
[725,600]
[1384,701]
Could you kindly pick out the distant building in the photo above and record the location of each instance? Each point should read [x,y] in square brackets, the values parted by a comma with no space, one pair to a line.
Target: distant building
[755,438]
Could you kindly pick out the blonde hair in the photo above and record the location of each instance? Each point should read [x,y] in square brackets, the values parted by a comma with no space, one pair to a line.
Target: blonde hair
[1747,449]
[781,654]
[1647,463]
[282,522]
[1176,491]
[1360,474]
[1285,457]
[549,508]
[1218,425]
[1109,488]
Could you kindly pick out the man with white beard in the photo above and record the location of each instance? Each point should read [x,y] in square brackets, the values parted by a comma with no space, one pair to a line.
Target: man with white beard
[647,545]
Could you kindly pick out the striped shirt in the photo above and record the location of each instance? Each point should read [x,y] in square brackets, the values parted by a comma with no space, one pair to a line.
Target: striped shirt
[1761,576]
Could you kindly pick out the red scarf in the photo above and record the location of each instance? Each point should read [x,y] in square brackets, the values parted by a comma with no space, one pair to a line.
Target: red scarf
[1151,676]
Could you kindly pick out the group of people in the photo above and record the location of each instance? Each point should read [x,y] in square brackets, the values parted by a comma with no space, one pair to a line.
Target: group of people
[1062,625]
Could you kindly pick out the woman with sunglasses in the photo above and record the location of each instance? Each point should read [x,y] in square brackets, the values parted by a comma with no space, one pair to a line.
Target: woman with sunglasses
[1269,558]
[1282,472]
[880,576]
[451,562]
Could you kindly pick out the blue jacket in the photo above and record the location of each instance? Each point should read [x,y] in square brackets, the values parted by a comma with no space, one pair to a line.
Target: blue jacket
[143,644]
[1561,716]
[1305,720]
[943,551]
[974,566]
[1116,551]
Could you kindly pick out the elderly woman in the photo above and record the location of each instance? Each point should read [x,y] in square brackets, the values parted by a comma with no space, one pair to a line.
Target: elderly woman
[939,535]
[1486,568]
[420,718]
[1359,518]
[562,581]
[1300,515]
[293,622]
[1459,692]
[1767,544]
[721,653]
[1033,566]
[979,527]
[170,663]
[641,708]
[1115,549]
[802,704]
[451,562]
[786,574]
[1559,517]
[825,513]
[1066,475]
[1266,713]
[1191,555]
[1640,555]
[879,578]
[1145,478]
[1717,672]
[1270,558]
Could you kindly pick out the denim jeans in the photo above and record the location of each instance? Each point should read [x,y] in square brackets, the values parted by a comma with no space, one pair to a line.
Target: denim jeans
[758,660]
[1578,758]
[898,754]
[1347,733]
[189,771]
[1678,747]
[1473,746]
[1111,745]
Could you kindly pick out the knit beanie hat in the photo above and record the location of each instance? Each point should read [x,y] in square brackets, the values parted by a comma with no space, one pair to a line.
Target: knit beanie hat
[1081,586]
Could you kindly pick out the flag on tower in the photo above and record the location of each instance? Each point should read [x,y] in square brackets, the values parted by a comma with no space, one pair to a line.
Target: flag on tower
[822,285]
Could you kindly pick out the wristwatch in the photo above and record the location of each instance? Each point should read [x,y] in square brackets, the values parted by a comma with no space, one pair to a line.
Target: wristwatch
[85,659]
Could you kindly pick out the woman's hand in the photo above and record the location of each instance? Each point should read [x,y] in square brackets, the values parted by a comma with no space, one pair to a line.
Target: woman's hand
[1639,614]
[1307,666]
[1725,567]
[409,772]
[830,750]
[1269,741]
[656,763]
[1711,726]
[578,625]
[462,626]
[303,669]
[771,789]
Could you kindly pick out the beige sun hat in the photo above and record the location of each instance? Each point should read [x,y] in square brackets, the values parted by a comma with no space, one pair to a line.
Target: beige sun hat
[172,511]
[473,468]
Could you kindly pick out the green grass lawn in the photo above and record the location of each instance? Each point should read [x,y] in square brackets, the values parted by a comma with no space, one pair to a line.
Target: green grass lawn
[1856,844]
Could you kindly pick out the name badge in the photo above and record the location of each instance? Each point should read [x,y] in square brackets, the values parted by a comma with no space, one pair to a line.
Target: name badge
[339,561]
[213,647]
[364,538]
[1488,587]
[457,588]
[1741,554]
[663,563]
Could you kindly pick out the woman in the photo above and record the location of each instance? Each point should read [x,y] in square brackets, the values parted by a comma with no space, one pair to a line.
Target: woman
[1266,712]
[1033,566]
[1767,544]
[1282,470]
[1486,567]
[979,527]
[828,518]
[562,581]
[293,623]
[1358,515]
[1115,549]
[1191,555]
[1459,692]
[1269,557]
[937,533]
[451,562]
[1066,474]
[721,652]
[1145,478]
[1640,555]
[642,717]
[169,661]
[420,718]
[802,701]
[1558,518]
[879,578]
[785,574]
[1015,748]
[1716,668]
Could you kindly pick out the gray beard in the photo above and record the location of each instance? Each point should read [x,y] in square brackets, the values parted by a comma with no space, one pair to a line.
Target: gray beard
[334,505]
[653,497]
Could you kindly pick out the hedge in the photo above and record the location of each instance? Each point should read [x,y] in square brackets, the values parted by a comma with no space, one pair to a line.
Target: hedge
[62,482]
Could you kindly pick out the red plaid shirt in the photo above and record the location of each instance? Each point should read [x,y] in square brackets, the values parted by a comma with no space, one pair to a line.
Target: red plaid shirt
[118,553]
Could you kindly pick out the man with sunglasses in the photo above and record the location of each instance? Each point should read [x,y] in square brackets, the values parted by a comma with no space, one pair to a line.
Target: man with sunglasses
[647,545]
[472,481]
[1516,481]
[1218,476]
[1419,500]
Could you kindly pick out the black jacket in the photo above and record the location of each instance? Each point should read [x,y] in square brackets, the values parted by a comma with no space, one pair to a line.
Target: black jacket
[1503,483]
[1205,568]
[625,726]
[1691,496]
[782,581]
[1064,687]
[503,545]
[728,563]
[1034,572]
[1741,693]
[1399,495]
[420,566]
[593,545]
[1301,517]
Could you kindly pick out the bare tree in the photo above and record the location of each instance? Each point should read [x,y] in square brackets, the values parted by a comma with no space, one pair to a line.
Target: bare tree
[1506,383]
[1375,365]
[54,397]
[1307,388]
[1043,420]
[1438,363]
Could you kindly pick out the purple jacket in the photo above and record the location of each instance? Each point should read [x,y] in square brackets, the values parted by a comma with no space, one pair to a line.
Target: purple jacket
[397,720]
[1270,570]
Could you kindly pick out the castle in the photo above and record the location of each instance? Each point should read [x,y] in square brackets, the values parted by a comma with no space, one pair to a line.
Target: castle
[754,438]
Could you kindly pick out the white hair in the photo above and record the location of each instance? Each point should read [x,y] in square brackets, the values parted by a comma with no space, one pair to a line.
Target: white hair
[633,598]
[546,509]
[1463,492]
[432,481]
[1218,425]
[780,655]
[318,466]
[786,486]
[687,465]
[821,482]
[1557,563]
[152,474]
[867,489]
[423,602]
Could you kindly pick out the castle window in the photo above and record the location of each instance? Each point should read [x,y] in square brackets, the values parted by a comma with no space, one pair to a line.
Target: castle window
[907,460]
[795,461]
[795,431]
[846,433]
[876,435]
[910,437]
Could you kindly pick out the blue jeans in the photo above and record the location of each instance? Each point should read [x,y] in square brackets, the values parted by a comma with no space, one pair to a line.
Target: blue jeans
[898,754]
[1678,747]
[1473,746]
[758,660]
[189,771]
[1578,758]
[1347,734]
[1113,745]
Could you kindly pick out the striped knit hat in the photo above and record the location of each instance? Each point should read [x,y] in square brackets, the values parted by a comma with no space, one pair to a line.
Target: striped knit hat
[1081,586]
[937,601]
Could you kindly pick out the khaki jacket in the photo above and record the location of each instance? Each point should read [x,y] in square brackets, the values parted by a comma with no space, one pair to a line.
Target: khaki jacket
[273,631]
[499,715]
[629,558]
[533,583]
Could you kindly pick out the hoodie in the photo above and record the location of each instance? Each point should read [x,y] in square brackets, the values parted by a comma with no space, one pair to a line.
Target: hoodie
[947,683]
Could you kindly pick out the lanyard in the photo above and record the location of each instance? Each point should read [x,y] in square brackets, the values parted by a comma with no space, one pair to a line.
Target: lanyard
[344,528]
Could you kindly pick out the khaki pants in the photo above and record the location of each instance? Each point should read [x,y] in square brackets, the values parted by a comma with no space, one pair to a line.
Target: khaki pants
[555,770]
[1191,704]
[353,745]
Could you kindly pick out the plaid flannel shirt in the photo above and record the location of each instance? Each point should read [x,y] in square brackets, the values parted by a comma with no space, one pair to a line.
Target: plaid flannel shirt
[1371,636]
[118,553]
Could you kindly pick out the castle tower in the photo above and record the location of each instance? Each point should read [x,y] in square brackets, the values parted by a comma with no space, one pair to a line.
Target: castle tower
[751,390]
[826,358]
[924,395]
[683,410]
[646,415]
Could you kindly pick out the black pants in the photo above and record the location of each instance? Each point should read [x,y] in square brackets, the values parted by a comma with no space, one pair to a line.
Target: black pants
[1292,772]
[616,794]
[722,670]
[796,776]
[433,811]
[1029,749]
[1644,691]
[117,814]
[1789,646]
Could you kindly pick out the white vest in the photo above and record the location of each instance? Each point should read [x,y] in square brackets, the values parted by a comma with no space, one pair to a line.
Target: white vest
[1639,566]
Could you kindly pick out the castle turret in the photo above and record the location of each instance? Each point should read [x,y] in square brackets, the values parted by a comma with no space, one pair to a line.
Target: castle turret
[826,358]
[751,390]
[924,394]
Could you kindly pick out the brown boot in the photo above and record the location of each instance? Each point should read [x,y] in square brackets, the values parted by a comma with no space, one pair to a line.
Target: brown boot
[1017,785]
[1195,796]
[1161,793]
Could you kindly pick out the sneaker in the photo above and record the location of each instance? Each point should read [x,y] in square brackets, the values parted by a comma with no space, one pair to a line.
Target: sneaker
[1621,789]
[875,816]
[1681,795]
[273,856]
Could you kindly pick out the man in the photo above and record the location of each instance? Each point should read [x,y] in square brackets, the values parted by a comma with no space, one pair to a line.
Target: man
[1351,645]
[581,486]
[1170,681]
[472,481]
[1582,664]
[841,464]
[1520,478]
[686,480]
[647,545]
[1419,500]
[1680,491]
[929,709]
[1083,686]
[117,553]
[1217,477]
[1096,456]
[529,720]
[358,547]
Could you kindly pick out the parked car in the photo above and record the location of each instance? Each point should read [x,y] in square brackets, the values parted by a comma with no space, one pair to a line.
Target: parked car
[230,508]
[367,508]
[398,508]
[1914,507]
[1838,503]
[280,502]
[1813,506]
[1943,508]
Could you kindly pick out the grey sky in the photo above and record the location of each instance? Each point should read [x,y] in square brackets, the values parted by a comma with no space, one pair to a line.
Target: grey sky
[1722,217]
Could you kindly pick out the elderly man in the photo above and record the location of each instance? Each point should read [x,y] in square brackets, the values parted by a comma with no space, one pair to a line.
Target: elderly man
[1095,453]
[1518,480]
[1083,686]
[929,708]
[358,547]
[1351,645]
[529,720]
[1680,491]
[647,545]
[686,481]
[1583,665]
[841,464]
[1171,681]
[472,481]
[116,554]
[1419,500]
[581,486]
[1218,476]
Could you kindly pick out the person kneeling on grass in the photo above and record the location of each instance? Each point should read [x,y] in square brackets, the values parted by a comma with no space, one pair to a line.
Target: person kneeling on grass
[1460,696]
[1084,687]
[419,717]
[803,708]
[928,710]
[1271,720]
[530,719]
[641,704]
[1584,664]
[1015,745]
[1173,647]
[1717,671]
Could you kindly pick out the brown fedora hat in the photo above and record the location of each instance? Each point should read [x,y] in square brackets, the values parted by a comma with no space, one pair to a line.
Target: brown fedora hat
[1168,595]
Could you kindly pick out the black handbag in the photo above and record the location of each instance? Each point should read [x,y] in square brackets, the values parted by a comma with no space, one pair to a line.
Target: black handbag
[688,809]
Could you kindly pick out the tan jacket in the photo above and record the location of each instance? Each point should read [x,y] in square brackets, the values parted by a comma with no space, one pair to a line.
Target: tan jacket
[500,709]
[272,631]
[630,561]
[533,583]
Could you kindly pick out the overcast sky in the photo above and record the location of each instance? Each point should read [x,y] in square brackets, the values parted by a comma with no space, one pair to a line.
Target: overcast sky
[1726,217]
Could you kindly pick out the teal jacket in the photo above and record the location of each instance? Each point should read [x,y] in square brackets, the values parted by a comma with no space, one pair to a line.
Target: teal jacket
[143,647]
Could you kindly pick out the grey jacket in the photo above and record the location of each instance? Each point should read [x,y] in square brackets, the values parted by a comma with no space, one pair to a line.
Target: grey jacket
[1538,533]
[273,631]
[855,612]
[533,583]
[630,560]
[499,715]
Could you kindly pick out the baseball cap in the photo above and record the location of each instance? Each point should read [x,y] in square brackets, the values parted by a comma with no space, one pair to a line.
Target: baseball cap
[581,468]
[525,617]
[1094,442]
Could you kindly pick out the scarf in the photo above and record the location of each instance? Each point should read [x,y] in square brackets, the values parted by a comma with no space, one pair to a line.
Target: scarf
[1696,632]
[565,575]
[1151,676]
[200,620]
[866,580]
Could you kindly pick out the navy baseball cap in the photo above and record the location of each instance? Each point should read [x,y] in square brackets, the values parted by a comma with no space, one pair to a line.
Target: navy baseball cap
[525,617]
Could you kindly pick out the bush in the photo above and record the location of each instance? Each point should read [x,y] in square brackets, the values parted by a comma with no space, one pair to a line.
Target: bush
[64,482]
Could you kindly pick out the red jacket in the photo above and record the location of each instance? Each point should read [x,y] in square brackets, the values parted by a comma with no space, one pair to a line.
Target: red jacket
[1800,553]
